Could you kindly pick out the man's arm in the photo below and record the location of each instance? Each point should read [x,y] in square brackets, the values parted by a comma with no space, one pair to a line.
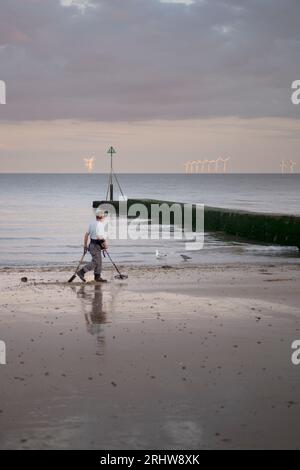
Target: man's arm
[85,242]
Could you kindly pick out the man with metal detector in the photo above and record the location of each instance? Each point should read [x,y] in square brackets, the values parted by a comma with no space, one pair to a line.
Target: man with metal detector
[98,242]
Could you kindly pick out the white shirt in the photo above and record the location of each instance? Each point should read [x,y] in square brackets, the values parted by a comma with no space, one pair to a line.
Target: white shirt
[98,230]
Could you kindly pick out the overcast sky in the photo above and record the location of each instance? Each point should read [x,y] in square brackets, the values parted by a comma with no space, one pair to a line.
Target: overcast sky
[163,81]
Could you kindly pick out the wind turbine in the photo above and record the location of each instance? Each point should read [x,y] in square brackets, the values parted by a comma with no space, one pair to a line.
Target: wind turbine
[292,164]
[187,167]
[213,162]
[89,163]
[199,165]
[217,164]
[204,162]
[225,161]
[208,165]
[193,162]
[283,166]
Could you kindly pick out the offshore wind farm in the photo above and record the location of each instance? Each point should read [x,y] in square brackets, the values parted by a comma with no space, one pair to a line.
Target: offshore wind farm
[288,166]
[219,165]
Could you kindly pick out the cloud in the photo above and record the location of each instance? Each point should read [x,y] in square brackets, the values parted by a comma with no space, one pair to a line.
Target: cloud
[131,60]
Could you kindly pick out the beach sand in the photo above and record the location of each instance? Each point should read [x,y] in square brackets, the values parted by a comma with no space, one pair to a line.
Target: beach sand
[172,358]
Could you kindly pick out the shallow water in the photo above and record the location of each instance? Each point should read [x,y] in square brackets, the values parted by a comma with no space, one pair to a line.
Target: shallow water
[43,217]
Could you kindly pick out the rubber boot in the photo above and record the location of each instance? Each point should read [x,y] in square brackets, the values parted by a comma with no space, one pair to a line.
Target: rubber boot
[98,278]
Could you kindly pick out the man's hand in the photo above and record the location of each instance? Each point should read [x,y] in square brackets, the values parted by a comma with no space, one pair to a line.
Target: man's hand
[104,245]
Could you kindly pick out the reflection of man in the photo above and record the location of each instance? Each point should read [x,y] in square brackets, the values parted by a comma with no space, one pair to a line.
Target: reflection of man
[98,242]
[95,316]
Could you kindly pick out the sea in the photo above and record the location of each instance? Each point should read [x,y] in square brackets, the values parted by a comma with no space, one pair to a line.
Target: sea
[43,217]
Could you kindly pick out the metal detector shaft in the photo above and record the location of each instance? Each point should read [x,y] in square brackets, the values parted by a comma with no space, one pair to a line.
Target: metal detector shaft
[74,275]
[116,267]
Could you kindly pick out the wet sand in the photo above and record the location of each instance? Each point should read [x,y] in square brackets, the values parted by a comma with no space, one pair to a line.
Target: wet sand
[172,358]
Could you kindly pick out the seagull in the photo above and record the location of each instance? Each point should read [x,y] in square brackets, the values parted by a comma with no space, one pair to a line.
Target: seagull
[159,255]
[185,257]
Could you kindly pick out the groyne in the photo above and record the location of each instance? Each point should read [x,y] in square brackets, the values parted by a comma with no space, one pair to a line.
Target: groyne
[279,229]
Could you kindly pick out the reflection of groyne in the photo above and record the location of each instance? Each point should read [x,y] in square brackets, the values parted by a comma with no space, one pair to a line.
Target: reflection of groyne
[262,227]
